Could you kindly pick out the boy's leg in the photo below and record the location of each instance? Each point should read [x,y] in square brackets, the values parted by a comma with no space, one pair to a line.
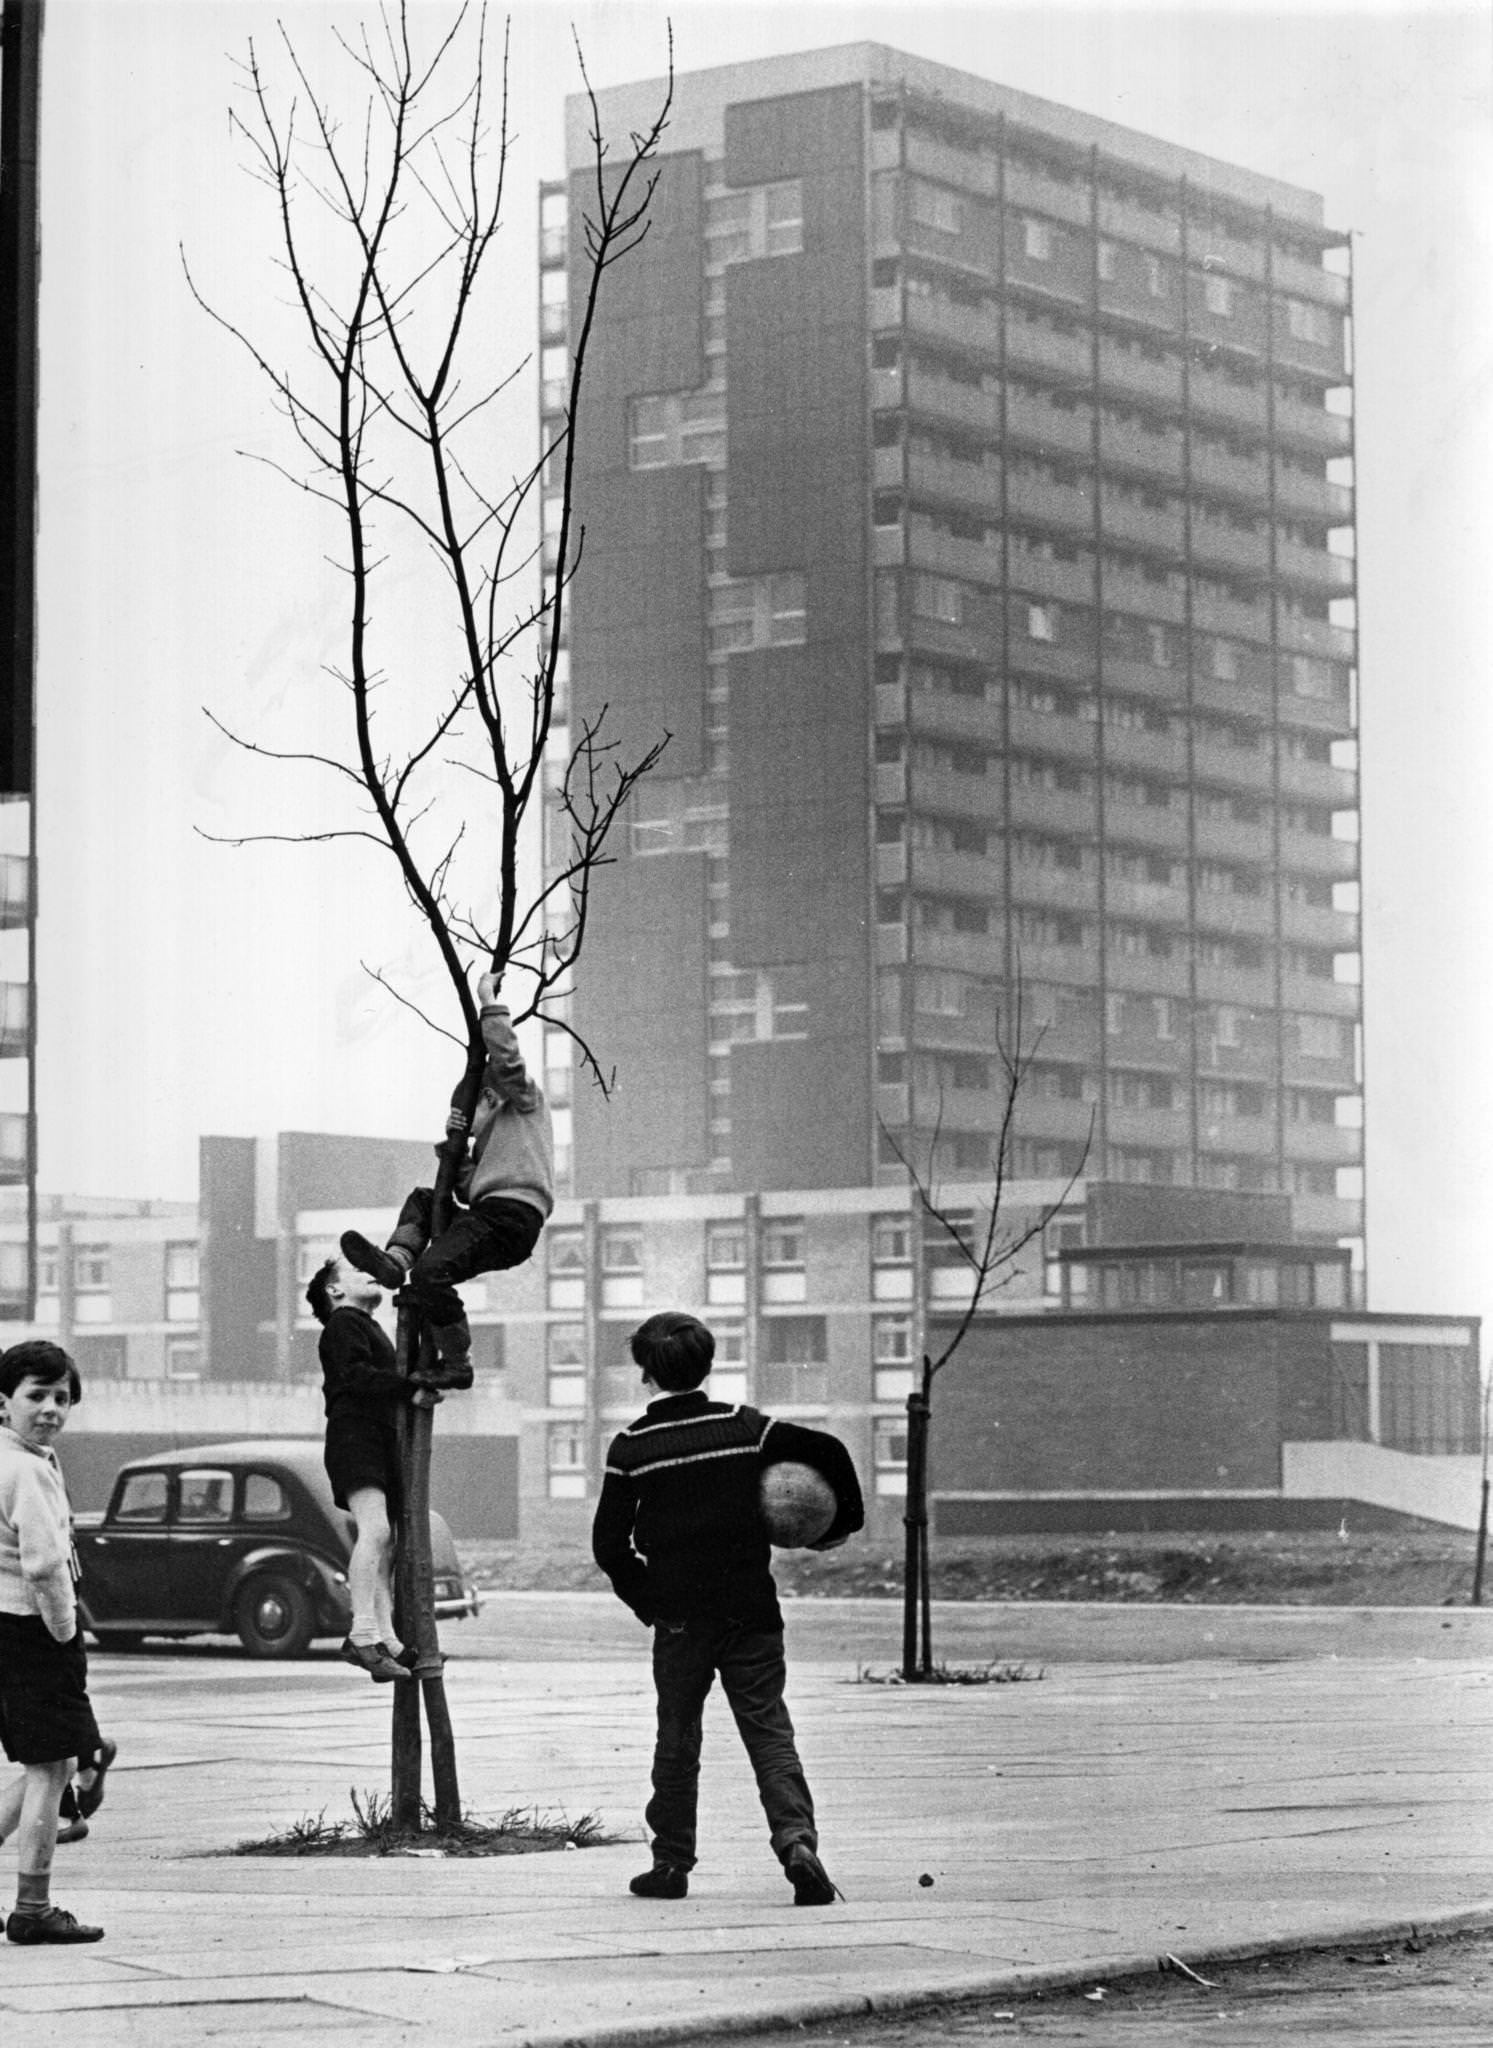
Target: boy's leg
[683,1672]
[409,1237]
[369,1572]
[753,1674]
[35,1918]
[487,1239]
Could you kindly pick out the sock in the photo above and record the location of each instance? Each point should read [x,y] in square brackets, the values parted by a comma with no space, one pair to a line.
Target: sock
[363,1635]
[33,1892]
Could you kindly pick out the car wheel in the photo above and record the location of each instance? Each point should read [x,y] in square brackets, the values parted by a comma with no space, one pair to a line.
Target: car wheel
[273,1617]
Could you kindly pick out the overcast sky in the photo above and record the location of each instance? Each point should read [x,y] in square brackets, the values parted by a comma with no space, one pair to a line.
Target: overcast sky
[187,987]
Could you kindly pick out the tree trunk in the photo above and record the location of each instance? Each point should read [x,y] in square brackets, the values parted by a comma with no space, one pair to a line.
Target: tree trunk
[415,1582]
[915,1521]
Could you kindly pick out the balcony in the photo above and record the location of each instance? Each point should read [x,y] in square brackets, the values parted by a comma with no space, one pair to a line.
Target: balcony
[891,945]
[1236,767]
[1145,974]
[1134,448]
[1246,987]
[1065,201]
[1326,1217]
[1054,888]
[1311,924]
[973,329]
[886,389]
[1312,358]
[1127,519]
[1321,998]
[1234,476]
[1224,615]
[1124,591]
[1147,1127]
[942,399]
[1249,1137]
[934,159]
[936,636]
[1228,839]
[951,716]
[1041,576]
[1309,280]
[1324,1145]
[1146,825]
[1039,349]
[15,891]
[1242,916]
[942,872]
[886,308]
[945,795]
[1316,853]
[947,554]
[974,484]
[1053,1116]
[1218,544]
[1151,900]
[1296,492]
[1316,636]
[1041,658]
[1067,505]
[891,866]
[1053,810]
[1237,405]
[1139,678]
[1316,568]
[1319,782]
[1071,739]
[891,783]
[1132,223]
[1209,249]
[1249,699]
[981,953]
[1136,376]
[1038,424]
[1151,753]
[1332,715]
[1313,426]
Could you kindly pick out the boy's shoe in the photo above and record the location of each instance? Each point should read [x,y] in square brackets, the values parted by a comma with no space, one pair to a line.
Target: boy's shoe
[73,1831]
[91,1797]
[375,1659]
[372,1259]
[663,1881]
[52,1925]
[452,1376]
[811,1882]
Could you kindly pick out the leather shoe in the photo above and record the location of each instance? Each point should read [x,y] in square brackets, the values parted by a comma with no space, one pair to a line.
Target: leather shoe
[663,1881]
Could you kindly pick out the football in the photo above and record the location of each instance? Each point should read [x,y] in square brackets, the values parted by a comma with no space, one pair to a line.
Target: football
[797,1505]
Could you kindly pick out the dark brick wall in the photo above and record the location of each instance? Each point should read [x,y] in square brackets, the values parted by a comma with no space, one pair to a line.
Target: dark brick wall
[799,1113]
[1129,1402]
[1124,1215]
[238,1270]
[641,1003]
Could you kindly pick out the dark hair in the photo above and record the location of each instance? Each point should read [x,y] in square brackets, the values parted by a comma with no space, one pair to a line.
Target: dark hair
[316,1291]
[38,1359]
[675,1350]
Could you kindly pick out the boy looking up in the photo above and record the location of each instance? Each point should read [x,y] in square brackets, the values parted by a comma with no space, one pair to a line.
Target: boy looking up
[506,1189]
[46,1718]
[362,1388]
[679,1533]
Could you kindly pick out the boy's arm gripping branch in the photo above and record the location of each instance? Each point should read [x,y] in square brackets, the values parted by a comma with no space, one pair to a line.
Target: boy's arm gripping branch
[505,1063]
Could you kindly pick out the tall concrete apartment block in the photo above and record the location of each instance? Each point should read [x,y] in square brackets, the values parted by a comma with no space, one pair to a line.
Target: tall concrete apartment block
[968,492]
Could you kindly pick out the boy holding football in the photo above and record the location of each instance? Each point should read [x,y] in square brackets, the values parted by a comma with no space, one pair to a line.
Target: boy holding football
[680,1534]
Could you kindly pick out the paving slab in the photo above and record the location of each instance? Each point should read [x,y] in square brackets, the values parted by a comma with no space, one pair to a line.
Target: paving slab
[986,1838]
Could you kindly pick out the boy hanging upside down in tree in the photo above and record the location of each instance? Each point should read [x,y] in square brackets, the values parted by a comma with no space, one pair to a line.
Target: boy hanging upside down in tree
[506,1187]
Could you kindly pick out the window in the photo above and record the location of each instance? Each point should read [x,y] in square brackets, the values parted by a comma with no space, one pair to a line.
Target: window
[937,597]
[758,220]
[758,611]
[783,1242]
[1306,322]
[142,1498]
[794,1366]
[1041,622]
[725,1247]
[183,1359]
[182,1299]
[565,1266]
[1158,280]
[676,427]
[205,1496]
[891,1341]
[783,215]
[265,1499]
[1160,644]
[1218,295]
[622,1250]
[91,1268]
[565,1448]
[935,206]
[1037,240]
[891,1240]
[889,1454]
[1223,660]
[1107,258]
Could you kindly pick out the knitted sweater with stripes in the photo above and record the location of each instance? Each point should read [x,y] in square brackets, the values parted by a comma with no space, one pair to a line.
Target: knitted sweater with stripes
[678,1528]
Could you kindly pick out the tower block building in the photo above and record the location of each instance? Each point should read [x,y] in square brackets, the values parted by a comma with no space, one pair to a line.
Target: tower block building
[968,493]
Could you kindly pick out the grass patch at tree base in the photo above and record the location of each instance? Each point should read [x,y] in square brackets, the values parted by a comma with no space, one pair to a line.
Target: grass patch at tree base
[521,1831]
[993,1673]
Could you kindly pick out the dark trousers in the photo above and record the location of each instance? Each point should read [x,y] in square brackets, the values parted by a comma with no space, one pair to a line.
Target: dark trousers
[686,1658]
[495,1234]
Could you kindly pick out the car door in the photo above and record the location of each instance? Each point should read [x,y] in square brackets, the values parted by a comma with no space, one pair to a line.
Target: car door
[208,1537]
[125,1560]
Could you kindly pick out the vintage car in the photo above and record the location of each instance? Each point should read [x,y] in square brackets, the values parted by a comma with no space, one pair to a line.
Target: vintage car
[232,1539]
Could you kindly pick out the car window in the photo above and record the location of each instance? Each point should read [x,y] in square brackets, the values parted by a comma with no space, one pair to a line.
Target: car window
[265,1499]
[142,1498]
[206,1496]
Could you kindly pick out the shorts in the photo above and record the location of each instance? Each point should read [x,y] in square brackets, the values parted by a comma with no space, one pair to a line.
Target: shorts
[362,1449]
[45,1712]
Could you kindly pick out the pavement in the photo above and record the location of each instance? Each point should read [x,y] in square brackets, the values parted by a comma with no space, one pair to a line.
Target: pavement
[1073,1827]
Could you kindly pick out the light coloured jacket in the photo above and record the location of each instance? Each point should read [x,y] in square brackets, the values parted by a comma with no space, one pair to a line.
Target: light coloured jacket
[512,1148]
[37,1568]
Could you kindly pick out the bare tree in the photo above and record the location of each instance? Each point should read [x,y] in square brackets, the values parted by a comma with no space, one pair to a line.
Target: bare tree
[388,226]
[989,1251]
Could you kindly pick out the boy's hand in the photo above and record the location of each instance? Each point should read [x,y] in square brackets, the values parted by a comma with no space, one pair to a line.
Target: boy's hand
[487,989]
[426,1397]
[456,1124]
